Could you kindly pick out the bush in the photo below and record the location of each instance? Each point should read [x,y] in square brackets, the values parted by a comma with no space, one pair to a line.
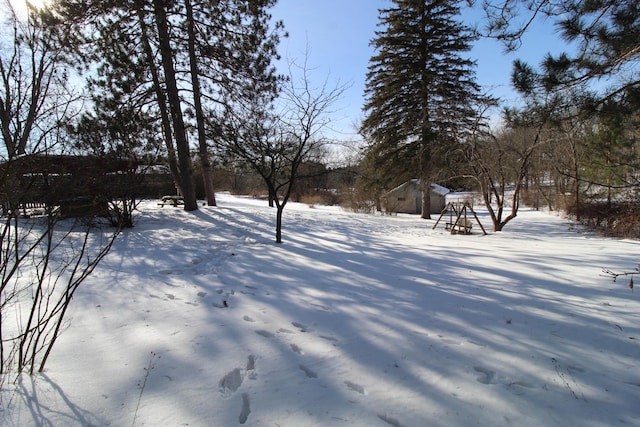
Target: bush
[357,201]
[320,197]
[621,219]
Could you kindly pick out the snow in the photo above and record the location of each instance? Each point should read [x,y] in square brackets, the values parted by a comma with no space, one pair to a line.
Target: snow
[355,320]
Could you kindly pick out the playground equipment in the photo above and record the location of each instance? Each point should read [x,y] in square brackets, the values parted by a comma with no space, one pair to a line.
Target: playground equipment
[459,218]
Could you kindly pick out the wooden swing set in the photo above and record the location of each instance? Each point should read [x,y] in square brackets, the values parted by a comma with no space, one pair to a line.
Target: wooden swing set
[459,222]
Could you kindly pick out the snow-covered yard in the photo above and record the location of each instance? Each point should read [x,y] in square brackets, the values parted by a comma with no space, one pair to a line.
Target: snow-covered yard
[200,319]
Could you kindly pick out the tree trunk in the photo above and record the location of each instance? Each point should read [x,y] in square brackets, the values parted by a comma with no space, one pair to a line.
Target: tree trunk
[279,224]
[577,190]
[205,163]
[424,161]
[425,189]
[160,97]
[272,196]
[173,96]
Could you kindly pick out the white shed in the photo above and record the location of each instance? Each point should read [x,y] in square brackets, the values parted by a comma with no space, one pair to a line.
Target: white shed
[407,198]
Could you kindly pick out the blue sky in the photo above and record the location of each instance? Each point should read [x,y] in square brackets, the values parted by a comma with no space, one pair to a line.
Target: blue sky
[338,33]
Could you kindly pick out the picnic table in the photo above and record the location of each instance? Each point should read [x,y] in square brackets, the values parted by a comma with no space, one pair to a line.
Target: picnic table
[171,200]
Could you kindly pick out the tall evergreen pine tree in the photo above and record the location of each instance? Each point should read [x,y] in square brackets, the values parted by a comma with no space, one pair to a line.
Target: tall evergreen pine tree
[420,89]
[178,61]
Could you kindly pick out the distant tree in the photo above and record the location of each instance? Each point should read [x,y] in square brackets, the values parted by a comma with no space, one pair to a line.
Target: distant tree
[312,176]
[500,164]
[277,136]
[420,88]
[251,137]
[611,150]
[593,140]
[560,125]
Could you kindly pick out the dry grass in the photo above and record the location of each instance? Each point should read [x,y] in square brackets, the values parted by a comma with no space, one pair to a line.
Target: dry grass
[325,198]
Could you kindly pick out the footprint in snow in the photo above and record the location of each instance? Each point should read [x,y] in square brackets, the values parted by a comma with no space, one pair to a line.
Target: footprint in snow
[391,421]
[296,349]
[486,376]
[329,338]
[232,381]
[246,409]
[300,326]
[449,341]
[308,372]
[264,333]
[222,304]
[251,363]
[355,387]
[519,387]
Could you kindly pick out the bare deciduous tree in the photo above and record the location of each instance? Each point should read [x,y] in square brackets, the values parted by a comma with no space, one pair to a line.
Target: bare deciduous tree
[276,143]
[499,164]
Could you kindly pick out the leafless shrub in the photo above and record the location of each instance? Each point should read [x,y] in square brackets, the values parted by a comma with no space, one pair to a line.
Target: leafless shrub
[357,200]
[43,261]
[617,219]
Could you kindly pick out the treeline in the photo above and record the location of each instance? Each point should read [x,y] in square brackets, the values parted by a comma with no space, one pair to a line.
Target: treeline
[571,145]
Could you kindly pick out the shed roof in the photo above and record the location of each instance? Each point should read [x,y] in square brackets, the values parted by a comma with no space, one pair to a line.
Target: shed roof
[438,189]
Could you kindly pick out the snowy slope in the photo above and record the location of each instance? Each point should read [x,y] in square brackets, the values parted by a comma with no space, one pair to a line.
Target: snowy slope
[356,320]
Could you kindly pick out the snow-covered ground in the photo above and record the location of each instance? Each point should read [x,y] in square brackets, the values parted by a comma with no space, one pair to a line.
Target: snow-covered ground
[199,319]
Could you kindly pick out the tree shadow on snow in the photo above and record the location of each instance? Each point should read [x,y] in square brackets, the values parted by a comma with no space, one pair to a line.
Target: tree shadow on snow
[46,403]
[366,320]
